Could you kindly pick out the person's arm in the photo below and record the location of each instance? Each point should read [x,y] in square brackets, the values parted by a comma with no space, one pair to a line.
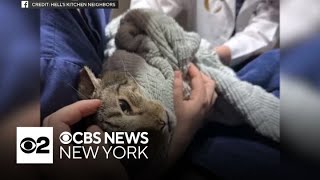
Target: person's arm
[169,7]
[260,35]
[224,53]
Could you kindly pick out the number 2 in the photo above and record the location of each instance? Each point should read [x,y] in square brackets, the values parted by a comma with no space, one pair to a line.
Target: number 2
[42,145]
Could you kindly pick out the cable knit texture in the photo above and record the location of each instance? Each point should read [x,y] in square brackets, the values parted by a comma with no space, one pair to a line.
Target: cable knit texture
[166,47]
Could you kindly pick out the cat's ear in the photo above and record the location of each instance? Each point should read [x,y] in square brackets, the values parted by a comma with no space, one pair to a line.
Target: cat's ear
[88,83]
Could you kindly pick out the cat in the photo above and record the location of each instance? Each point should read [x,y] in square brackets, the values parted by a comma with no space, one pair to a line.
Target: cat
[126,108]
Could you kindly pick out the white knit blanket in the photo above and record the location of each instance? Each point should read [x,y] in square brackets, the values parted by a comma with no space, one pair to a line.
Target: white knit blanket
[166,47]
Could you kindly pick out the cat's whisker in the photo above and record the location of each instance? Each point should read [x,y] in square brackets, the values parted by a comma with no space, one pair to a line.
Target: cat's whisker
[77,91]
[134,79]
[125,71]
[123,65]
[68,84]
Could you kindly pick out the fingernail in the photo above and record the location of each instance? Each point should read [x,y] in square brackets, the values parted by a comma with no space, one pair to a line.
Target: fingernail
[177,74]
[98,102]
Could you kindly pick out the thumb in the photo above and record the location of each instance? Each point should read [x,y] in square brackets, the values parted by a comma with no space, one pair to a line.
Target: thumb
[197,83]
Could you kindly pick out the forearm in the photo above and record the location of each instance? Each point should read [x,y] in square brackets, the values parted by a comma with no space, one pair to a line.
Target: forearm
[224,53]
[247,44]
[261,33]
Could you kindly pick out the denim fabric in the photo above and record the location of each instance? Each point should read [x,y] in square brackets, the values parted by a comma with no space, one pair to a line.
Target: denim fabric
[264,71]
[68,42]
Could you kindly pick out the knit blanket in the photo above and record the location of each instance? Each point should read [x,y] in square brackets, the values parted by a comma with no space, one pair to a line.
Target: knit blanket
[166,47]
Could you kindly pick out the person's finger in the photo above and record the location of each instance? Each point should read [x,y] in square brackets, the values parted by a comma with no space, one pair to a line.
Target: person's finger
[205,78]
[73,113]
[197,83]
[178,86]
[210,88]
[94,128]
[194,71]
[210,85]
[214,97]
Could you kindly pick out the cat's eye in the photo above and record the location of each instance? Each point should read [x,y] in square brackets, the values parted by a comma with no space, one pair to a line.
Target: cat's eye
[125,107]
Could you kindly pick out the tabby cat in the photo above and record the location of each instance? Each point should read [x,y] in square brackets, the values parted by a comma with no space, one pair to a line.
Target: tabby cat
[125,108]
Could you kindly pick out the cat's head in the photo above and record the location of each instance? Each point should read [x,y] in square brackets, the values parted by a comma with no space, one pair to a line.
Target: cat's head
[124,106]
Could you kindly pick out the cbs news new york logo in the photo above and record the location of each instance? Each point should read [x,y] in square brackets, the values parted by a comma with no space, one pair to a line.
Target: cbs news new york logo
[34,145]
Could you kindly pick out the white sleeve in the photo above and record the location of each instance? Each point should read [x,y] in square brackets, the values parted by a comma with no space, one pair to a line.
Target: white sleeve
[260,35]
[169,7]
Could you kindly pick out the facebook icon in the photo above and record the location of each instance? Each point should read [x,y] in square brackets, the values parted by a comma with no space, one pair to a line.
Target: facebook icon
[24,4]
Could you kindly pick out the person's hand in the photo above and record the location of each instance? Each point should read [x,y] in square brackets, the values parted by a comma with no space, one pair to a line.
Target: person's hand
[64,118]
[61,121]
[190,113]
[224,53]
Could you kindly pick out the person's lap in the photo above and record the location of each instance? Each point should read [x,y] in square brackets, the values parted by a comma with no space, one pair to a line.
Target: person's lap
[233,152]
[264,71]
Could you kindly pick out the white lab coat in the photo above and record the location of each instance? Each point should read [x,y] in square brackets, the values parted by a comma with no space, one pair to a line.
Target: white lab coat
[256,27]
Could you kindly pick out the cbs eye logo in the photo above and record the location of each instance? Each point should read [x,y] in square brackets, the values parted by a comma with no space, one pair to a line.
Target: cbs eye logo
[29,145]
[65,138]
[34,145]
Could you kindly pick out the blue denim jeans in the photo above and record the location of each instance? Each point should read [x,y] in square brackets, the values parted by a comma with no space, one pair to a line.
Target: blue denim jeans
[69,41]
